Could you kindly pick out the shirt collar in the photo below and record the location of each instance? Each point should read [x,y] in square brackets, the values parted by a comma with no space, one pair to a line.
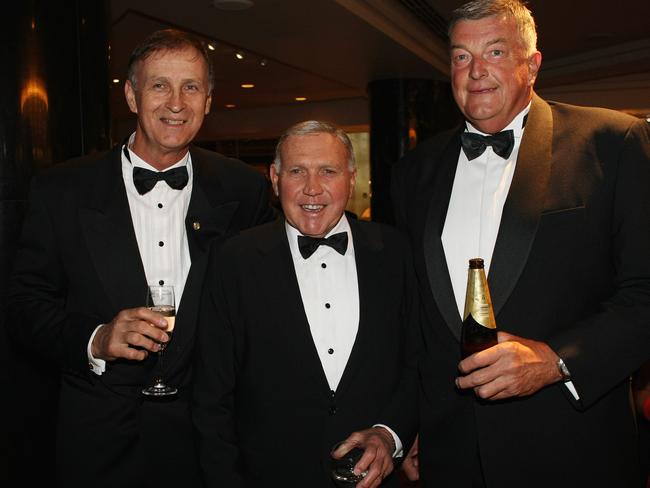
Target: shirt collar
[516,124]
[135,160]
[292,234]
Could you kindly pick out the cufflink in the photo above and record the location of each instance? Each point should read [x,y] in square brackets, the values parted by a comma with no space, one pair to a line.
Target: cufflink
[564,371]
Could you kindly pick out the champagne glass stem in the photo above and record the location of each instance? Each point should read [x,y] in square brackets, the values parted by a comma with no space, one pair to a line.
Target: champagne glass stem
[161,368]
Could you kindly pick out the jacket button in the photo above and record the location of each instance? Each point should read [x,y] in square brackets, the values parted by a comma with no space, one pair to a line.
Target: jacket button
[196,225]
[332,410]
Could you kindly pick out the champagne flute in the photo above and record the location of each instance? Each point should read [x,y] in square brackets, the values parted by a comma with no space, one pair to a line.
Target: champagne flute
[342,469]
[161,299]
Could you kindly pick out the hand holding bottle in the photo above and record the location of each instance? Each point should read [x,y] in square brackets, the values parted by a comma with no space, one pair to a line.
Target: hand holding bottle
[515,367]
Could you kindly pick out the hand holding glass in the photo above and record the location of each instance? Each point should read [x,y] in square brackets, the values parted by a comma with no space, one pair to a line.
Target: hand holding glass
[161,299]
[342,469]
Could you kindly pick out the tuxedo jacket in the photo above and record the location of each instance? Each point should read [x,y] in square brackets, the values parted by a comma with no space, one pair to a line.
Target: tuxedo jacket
[78,265]
[569,268]
[263,409]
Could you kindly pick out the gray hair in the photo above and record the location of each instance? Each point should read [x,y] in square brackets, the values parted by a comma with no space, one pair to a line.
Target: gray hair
[315,127]
[516,9]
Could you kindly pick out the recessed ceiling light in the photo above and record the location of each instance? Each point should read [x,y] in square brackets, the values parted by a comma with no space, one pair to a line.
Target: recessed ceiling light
[230,105]
[239,55]
[301,99]
[247,85]
[263,62]
[232,4]
[116,80]
[211,46]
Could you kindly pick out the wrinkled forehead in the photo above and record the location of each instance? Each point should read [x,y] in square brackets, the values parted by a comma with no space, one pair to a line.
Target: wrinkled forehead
[186,53]
[318,146]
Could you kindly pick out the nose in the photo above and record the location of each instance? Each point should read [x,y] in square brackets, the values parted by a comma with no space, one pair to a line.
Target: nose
[313,185]
[477,69]
[175,101]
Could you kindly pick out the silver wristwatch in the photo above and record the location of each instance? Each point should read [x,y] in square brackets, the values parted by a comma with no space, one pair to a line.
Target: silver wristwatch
[564,371]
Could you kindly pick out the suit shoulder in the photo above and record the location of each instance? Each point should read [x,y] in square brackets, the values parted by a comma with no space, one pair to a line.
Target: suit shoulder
[429,147]
[388,235]
[72,174]
[246,241]
[424,155]
[594,119]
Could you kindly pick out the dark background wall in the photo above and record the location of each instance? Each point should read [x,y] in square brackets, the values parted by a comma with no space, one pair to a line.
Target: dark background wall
[54,105]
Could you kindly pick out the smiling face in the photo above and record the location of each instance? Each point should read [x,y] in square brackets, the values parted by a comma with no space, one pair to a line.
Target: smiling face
[492,78]
[314,182]
[171,98]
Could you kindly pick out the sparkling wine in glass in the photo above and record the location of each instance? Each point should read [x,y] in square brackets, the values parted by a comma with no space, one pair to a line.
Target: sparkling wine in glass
[342,469]
[161,299]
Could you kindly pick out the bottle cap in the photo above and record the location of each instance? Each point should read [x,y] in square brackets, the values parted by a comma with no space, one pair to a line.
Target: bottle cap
[476,263]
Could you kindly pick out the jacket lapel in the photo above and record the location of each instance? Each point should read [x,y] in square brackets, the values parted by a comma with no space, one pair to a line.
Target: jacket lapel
[368,246]
[284,298]
[524,205]
[110,238]
[434,254]
[208,219]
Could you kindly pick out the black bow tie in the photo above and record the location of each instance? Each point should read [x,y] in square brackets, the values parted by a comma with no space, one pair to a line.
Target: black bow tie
[308,245]
[474,144]
[144,179]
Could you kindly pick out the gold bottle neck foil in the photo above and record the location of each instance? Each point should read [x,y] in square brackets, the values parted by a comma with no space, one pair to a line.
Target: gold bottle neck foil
[477,300]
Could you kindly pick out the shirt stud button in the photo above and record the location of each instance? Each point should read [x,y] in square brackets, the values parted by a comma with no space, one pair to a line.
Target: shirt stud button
[196,225]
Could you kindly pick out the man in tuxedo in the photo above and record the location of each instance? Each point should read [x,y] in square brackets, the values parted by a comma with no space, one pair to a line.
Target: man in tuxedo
[555,199]
[98,231]
[303,333]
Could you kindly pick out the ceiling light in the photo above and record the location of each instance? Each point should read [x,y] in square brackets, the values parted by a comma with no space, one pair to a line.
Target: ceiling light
[230,105]
[301,99]
[239,55]
[116,80]
[211,46]
[247,85]
[263,62]
[232,4]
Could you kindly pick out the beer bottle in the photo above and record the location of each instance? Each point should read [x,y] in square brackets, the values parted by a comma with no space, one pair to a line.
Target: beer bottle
[479,329]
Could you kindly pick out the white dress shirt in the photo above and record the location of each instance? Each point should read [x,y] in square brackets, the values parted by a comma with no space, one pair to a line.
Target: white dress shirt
[330,296]
[478,195]
[158,219]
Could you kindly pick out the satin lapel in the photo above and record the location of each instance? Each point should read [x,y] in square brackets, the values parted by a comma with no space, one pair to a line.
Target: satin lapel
[524,205]
[208,219]
[367,254]
[107,227]
[434,254]
[285,301]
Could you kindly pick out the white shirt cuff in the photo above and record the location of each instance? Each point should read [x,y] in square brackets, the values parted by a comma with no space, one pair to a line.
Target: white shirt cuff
[97,366]
[399,448]
[572,389]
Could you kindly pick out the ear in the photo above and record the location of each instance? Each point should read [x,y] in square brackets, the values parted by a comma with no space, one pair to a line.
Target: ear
[129,94]
[534,62]
[208,104]
[353,181]
[274,180]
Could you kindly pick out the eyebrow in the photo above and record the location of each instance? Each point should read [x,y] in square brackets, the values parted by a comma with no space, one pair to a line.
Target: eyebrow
[489,43]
